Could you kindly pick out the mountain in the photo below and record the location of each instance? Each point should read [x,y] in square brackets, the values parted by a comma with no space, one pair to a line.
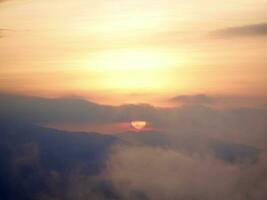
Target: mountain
[36,161]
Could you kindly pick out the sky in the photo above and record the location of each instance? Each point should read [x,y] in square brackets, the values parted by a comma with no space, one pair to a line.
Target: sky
[179,84]
[125,51]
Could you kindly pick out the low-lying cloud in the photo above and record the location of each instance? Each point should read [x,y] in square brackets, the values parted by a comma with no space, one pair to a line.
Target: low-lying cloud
[179,161]
[158,174]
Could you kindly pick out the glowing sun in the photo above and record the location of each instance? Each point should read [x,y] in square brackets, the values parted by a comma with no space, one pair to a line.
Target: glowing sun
[139,125]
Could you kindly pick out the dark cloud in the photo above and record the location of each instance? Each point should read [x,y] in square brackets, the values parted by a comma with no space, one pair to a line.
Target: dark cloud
[217,100]
[43,110]
[232,124]
[194,99]
[242,31]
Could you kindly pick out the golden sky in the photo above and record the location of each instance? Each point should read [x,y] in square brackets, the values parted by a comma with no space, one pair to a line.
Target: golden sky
[130,51]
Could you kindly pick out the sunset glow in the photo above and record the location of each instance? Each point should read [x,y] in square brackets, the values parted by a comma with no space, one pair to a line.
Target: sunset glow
[108,51]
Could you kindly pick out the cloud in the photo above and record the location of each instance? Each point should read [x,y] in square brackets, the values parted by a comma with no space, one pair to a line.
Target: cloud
[182,166]
[39,110]
[240,125]
[154,173]
[194,99]
[223,101]
[242,31]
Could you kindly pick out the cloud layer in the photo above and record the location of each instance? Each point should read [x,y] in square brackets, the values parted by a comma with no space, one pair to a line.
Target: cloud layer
[152,173]
[240,125]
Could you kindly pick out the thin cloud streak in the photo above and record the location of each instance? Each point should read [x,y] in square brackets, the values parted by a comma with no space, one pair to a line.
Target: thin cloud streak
[2,30]
[194,99]
[252,30]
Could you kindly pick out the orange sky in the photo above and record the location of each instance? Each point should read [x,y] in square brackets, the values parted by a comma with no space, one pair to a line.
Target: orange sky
[129,51]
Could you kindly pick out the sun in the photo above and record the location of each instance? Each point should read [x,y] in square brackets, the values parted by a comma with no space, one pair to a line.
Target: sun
[139,125]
